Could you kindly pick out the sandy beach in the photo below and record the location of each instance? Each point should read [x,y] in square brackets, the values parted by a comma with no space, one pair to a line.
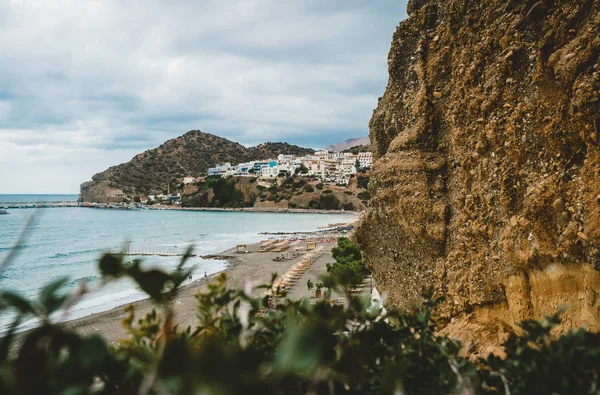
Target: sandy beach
[245,269]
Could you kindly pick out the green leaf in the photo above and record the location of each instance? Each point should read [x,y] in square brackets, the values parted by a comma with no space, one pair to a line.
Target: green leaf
[48,299]
[93,352]
[16,301]
[110,265]
[188,254]
[152,282]
[7,338]
[300,351]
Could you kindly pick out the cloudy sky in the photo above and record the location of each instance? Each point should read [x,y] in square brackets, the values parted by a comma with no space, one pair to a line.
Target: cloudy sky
[88,84]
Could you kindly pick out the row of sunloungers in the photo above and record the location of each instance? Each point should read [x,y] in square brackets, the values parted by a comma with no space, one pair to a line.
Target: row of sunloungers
[274,245]
[320,240]
[281,246]
[295,273]
[277,245]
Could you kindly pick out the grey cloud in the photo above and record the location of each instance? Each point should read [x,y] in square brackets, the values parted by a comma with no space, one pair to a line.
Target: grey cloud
[115,77]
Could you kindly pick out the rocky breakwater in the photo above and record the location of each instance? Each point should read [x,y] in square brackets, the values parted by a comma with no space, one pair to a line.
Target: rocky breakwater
[486,184]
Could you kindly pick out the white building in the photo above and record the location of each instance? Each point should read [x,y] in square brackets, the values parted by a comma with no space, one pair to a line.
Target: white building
[333,155]
[288,167]
[316,168]
[259,165]
[268,171]
[188,180]
[283,159]
[329,166]
[219,169]
[365,159]
[347,166]
[242,169]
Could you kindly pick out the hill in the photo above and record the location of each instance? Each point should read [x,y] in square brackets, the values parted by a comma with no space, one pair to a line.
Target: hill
[347,144]
[191,154]
[358,148]
[272,150]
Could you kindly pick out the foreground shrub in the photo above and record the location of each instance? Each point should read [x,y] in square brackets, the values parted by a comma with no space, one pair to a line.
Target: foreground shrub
[537,363]
[241,346]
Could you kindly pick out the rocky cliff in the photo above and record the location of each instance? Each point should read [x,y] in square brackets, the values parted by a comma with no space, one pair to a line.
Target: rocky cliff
[486,185]
[192,154]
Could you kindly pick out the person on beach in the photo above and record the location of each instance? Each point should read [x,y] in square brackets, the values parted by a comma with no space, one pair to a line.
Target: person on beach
[190,277]
[205,275]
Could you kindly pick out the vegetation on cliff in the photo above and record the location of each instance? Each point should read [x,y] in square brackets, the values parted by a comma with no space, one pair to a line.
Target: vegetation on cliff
[348,270]
[162,168]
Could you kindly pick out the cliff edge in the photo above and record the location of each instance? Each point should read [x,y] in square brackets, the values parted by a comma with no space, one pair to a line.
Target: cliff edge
[486,185]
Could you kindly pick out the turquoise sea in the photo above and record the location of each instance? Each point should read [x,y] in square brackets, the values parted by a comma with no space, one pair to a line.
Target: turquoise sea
[68,242]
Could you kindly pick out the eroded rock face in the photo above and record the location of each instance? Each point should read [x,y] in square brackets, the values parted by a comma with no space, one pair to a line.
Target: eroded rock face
[487,179]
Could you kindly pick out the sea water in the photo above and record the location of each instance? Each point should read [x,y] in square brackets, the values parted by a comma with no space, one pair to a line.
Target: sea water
[69,241]
[36,198]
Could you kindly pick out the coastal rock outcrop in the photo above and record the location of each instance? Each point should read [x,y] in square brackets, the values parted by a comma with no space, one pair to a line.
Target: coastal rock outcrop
[486,185]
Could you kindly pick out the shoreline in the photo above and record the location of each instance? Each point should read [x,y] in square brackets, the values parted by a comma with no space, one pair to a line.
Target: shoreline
[22,206]
[257,210]
[107,323]
[246,271]
[106,319]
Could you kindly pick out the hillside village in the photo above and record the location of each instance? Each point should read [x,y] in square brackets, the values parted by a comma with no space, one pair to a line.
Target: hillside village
[327,166]
[183,165]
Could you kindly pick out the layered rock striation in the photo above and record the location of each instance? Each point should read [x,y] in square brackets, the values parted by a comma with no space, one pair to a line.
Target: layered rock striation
[486,184]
